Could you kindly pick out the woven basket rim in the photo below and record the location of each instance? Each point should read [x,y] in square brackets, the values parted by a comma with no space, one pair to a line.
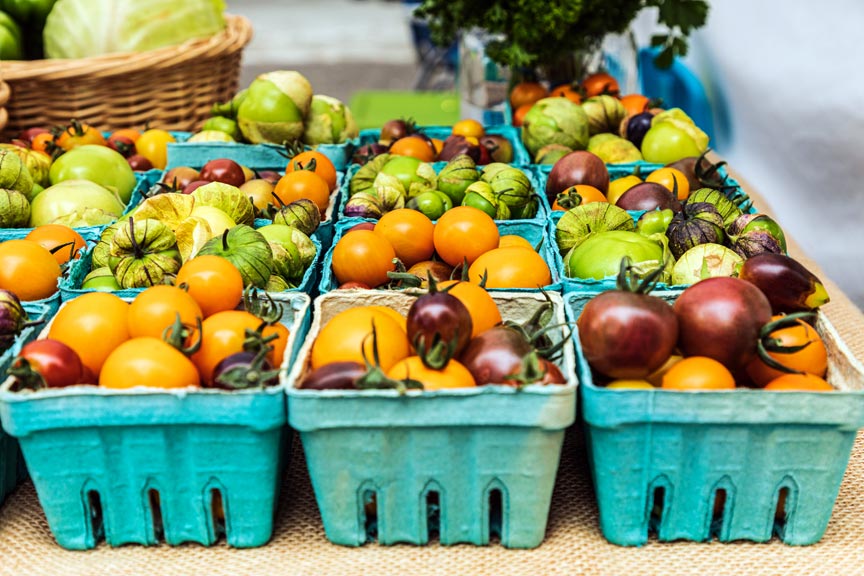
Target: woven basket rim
[235,36]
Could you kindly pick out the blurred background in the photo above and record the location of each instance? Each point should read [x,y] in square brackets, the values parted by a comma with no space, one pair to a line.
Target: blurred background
[779,75]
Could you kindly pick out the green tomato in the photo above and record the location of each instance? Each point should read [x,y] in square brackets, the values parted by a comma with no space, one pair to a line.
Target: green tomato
[665,143]
[100,279]
[448,202]
[477,200]
[98,164]
[654,222]
[599,256]
[404,168]
[222,124]
[432,204]
[11,46]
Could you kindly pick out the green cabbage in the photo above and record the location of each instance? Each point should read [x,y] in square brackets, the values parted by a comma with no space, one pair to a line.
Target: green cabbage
[84,28]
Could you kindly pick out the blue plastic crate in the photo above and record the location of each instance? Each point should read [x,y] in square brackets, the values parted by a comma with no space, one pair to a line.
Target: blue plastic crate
[117,463]
[751,444]
[470,447]
[254,156]
[11,465]
[520,154]
[537,233]
[538,183]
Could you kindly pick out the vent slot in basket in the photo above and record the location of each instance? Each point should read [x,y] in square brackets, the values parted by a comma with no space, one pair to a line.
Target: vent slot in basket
[217,514]
[496,515]
[369,513]
[656,508]
[785,507]
[155,505]
[433,515]
[719,513]
[95,515]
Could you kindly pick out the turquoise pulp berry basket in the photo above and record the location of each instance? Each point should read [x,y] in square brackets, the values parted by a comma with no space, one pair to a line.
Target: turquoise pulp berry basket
[254,156]
[513,135]
[465,463]
[140,465]
[733,465]
[11,466]
[537,233]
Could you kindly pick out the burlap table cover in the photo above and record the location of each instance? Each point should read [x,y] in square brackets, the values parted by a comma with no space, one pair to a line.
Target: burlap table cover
[573,546]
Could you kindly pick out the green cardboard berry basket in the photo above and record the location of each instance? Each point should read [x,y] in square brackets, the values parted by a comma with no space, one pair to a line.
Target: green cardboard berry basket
[537,233]
[141,465]
[11,465]
[661,459]
[254,156]
[467,463]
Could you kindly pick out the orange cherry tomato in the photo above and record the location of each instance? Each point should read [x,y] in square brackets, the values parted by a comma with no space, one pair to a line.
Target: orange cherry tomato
[43,142]
[673,179]
[280,344]
[464,233]
[469,127]
[566,91]
[303,184]
[156,308]
[799,383]
[410,233]
[50,236]
[600,83]
[630,384]
[635,103]
[514,241]
[150,362]
[414,146]
[93,325]
[526,93]
[363,256]
[520,113]
[28,269]
[79,134]
[511,268]
[698,373]
[812,359]
[482,308]
[130,133]
[453,375]
[438,145]
[323,166]
[222,335]
[347,336]
[587,194]
[213,281]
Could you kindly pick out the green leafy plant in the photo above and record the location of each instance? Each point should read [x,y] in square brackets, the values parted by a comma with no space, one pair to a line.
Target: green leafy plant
[536,33]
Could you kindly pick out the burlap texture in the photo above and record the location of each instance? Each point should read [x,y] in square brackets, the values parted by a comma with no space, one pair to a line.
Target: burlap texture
[574,545]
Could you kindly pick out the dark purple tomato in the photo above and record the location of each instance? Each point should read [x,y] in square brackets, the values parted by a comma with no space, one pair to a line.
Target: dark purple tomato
[122,144]
[244,370]
[456,145]
[184,175]
[270,176]
[648,196]
[439,317]
[334,376]
[721,318]
[637,126]
[139,163]
[578,167]
[394,130]
[48,363]
[368,151]
[194,185]
[499,148]
[223,170]
[627,335]
[495,355]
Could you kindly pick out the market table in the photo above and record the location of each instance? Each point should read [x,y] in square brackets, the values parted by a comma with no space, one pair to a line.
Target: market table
[574,544]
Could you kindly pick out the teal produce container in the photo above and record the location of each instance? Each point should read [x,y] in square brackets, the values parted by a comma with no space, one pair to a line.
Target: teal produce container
[733,465]
[141,465]
[465,463]
[254,156]
[513,135]
[536,233]
[11,465]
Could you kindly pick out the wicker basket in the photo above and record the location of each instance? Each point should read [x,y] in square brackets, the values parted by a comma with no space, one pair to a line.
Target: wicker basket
[171,88]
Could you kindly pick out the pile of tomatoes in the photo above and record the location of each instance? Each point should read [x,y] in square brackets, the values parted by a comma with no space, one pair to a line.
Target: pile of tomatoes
[167,337]
[525,94]
[452,337]
[719,334]
[143,149]
[368,255]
